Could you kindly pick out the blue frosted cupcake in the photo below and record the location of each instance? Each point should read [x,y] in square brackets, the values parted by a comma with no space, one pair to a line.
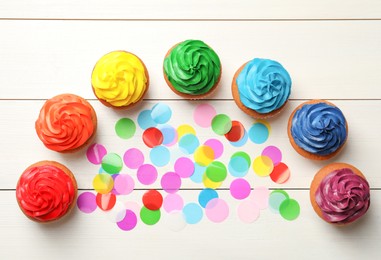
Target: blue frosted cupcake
[261,88]
[317,130]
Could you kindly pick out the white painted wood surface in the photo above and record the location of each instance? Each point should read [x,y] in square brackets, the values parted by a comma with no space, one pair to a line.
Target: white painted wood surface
[331,49]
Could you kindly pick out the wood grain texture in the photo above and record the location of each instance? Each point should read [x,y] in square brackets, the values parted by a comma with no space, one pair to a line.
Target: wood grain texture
[195,9]
[326,59]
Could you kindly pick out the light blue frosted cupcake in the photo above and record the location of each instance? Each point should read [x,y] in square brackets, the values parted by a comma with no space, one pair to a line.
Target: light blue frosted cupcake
[261,88]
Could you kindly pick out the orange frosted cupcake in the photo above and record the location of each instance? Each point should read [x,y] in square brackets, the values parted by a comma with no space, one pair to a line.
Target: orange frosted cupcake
[46,191]
[66,123]
[120,79]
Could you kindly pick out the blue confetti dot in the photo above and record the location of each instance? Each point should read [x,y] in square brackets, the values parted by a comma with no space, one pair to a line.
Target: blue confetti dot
[189,143]
[169,134]
[199,171]
[160,156]
[258,133]
[238,166]
[206,195]
[161,113]
[193,213]
[145,120]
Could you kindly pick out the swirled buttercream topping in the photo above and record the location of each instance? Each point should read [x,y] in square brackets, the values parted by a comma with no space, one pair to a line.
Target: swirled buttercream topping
[192,67]
[65,122]
[45,192]
[319,128]
[263,85]
[119,78]
[343,196]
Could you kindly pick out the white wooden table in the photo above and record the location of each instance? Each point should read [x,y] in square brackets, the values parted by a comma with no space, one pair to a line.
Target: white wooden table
[332,49]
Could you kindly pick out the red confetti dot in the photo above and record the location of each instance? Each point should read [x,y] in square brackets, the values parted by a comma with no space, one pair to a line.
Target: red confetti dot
[152,200]
[106,201]
[152,137]
[280,173]
[236,133]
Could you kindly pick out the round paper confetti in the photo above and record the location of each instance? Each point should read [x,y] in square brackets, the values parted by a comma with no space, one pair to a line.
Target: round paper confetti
[263,166]
[133,158]
[280,173]
[241,142]
[173,202]
[152,137]
[217,147]
[149,217]
[204,155]
[147,174]
[124,184]
[117,213]
[216,171]
[106,201]
[210,184]
[175,221]
[188,143]
[198,173]
[160,156]
[103,183]
[128,222]
[240,189]
[171,182]
[145,120]
[217,210]
[258,133]
[192,213]
[204,114]
[273,153]
[206,195]
[112,163]
[236,132]
[161,113]
[239,164]
[86,202]
[125,128]
[221,124]
[289,209]
[248,212]
[184,167]
[185,129]
[169,134]
[260,196]
[95,153]
[152,200]
[276,198]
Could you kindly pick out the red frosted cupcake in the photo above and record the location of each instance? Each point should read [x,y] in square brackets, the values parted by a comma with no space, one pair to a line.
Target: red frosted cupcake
[46,191]
[66,123]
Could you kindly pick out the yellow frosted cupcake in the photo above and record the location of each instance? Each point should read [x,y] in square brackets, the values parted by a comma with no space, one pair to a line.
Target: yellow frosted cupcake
[120,79]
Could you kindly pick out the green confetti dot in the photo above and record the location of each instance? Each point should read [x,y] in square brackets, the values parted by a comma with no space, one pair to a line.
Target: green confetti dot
[243,155]
[125,128]
[289,209]
[150,217]
[216,171]
[276,198]
[221,124]
[112,163]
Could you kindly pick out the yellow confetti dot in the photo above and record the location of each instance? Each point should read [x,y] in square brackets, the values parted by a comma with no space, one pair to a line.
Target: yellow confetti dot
[263,166]
[210,184]
[204,155]
[103,183]
[185,129]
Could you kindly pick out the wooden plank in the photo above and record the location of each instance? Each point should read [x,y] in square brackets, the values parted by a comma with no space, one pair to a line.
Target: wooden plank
[196,9]
[329,59]
[94,236]
[22,147]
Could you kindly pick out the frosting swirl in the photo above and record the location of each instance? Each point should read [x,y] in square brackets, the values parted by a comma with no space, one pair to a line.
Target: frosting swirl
[65,122]
[343,196]
[319,128]
[263,85]
[45,192]
[192,67]
[120,78]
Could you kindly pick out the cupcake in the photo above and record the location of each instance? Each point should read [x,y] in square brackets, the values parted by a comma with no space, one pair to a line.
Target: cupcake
[66,123]
[46,191]
[317,130]
[120,79]
[261,88]
[340,194]
[192,69]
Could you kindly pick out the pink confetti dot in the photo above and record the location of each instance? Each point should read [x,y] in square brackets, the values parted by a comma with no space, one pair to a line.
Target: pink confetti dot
[240,189]
[260,196]
[147,174]
[86,202]
[273,153]
[184,167]
[124,184]
[95,153]
[217,147]
[133,158]
[248,211]
[203,115]
[173,202]
[171,182]
[217,210]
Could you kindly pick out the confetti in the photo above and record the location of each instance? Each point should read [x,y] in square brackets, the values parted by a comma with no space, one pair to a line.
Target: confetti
[125,128]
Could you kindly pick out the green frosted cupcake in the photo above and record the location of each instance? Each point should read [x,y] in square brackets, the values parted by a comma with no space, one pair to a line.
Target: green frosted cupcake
[192,69]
